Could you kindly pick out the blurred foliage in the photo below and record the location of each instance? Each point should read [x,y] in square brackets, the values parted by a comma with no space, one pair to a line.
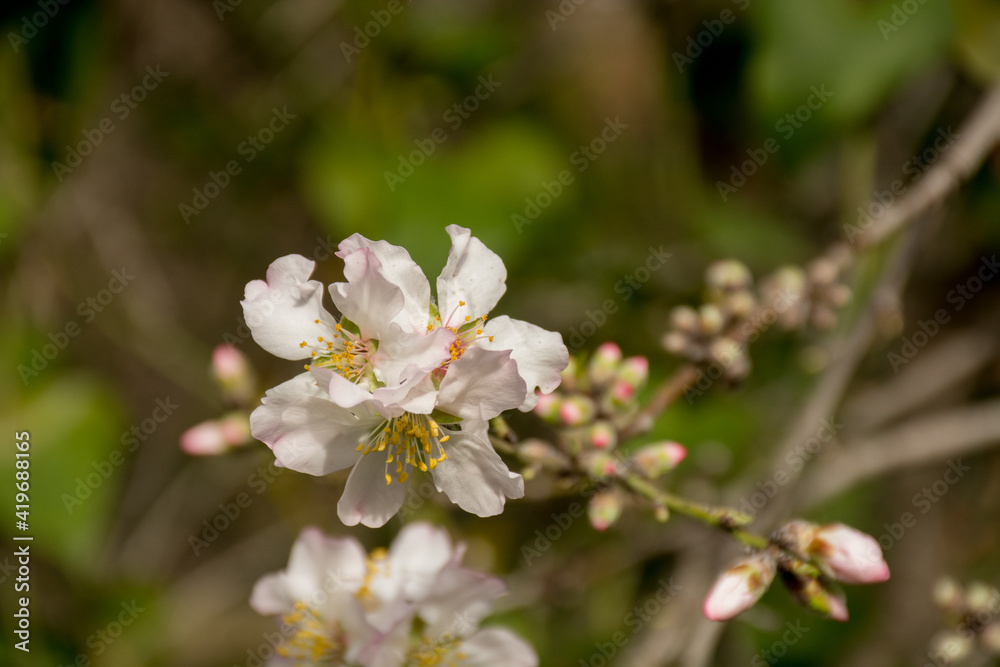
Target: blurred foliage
[323,177]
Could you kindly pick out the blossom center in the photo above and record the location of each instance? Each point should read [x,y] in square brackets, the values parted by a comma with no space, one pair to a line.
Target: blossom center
[431,653]
[345,353]
[310,642]
[466,333]
[409,441]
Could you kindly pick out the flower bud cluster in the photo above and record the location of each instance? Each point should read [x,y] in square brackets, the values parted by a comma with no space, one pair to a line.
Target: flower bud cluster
[596,398]
[594,402]
[716,333]
[709,335]
[809,297]
[973,614]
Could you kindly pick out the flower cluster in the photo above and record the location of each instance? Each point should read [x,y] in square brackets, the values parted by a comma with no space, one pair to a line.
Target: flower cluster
[411,605]
[973,612]
[809,559]
[400,382]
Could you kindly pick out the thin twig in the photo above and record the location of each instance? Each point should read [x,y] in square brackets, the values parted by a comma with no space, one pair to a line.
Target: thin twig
[919,441]
[978,137]
[667,393]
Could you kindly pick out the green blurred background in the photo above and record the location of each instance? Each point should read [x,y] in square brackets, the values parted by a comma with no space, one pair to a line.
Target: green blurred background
[691,87]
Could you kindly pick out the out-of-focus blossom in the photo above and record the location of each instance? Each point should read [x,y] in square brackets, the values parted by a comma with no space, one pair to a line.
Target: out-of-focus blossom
[412,604]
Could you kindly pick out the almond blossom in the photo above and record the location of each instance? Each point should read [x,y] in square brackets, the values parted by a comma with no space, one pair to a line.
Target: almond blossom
[412,604]
[394,386]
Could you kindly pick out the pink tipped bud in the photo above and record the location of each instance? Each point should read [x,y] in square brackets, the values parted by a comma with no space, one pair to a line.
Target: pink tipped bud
[838,609]
[739,588]
[236,429]
[548,407]
[635,371]
[604,363]
[603,435]
[599,464]
[659,458]
[233,373]
[577,410]
[622,393]
[205,439]
[605,508]
[817,595]
[848,555]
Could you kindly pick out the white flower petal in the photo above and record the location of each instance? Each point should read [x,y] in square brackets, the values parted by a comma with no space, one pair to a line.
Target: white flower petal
[282,311]
[400,350]
[339,389]
[384,648]
[418,554]
[272,595]
[473,274]
[481,384]
[368,299]
[306,431]
[496,646]
[418,395]
[319,568]
[367,498]
[458,602]
[399,269]
[541,355]
[474,476]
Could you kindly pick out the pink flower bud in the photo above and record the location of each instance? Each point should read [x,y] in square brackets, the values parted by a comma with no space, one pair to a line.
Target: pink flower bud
[848,555]
[605,508]
[817,595]
[838,608]
[739,588]
[599,464]
[577,410]
[205,439]
[604,363]
[658,458]
[635,371]
[548,406]
[233,373]
[622,393]
[603,435]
